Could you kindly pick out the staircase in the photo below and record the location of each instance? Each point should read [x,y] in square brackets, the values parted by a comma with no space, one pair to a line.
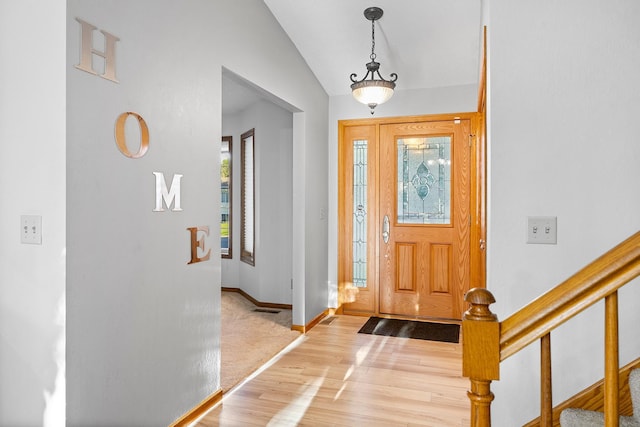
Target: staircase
[488,342]
[573,417]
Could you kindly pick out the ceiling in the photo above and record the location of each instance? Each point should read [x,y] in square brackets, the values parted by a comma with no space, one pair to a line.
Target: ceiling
[427,43]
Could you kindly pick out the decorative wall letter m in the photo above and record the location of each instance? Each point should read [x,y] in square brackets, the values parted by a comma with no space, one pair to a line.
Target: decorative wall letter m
[168,196]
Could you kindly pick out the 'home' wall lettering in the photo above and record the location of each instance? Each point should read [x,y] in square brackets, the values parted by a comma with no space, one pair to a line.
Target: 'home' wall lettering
[164,197]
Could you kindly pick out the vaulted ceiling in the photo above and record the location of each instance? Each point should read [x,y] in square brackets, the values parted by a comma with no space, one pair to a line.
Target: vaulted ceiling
[427,43]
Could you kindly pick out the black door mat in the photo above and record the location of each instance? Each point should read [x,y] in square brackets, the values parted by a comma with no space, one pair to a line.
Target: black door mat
[412,329]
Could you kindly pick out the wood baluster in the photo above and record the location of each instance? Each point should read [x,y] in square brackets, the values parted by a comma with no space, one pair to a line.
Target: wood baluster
[481,397]
[546,402]
[611,362]
[480,353]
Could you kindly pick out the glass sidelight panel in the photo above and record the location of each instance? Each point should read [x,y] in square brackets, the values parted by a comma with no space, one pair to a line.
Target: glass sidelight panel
[424,180]
[360,213]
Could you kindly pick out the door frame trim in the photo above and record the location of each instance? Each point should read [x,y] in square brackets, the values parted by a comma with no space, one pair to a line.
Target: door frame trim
[478,216]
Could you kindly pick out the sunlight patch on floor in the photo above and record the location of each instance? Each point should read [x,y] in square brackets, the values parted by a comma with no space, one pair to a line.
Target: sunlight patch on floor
[337,396]
[292,414]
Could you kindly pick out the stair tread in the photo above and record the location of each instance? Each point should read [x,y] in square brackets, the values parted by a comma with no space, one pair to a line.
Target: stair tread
[573,417]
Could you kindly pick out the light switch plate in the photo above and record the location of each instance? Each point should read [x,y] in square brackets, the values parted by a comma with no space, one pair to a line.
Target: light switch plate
[542,230]
[31,229]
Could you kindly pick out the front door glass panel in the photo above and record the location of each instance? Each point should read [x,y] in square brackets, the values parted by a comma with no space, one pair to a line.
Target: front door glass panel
[424,180]
[360,213]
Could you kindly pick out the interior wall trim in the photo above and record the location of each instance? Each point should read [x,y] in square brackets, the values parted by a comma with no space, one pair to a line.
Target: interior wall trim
[255,301]
[198,411]
[306,328]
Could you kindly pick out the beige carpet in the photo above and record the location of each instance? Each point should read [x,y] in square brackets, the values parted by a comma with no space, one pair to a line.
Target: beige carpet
[249,339]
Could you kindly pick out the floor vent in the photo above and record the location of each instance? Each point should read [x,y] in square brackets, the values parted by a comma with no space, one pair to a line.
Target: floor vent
[328,320]
[266,310]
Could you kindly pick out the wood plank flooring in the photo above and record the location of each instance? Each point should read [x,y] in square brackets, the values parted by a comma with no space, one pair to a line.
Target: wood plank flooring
[337,377]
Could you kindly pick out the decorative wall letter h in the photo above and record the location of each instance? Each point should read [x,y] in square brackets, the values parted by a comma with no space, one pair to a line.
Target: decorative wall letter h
[87,50]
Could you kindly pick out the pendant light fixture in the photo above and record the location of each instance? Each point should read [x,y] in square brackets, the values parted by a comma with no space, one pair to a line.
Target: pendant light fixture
[372,91]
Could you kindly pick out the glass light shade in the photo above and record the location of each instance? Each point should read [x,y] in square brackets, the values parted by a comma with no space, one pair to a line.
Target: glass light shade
[373,92]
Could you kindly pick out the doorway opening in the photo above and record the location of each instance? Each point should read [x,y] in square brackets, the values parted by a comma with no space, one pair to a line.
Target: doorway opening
[268,278]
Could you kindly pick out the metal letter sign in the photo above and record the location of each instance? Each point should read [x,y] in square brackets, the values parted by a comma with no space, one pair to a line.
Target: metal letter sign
[198,243]
[121,140]
[167,196]
[87,50]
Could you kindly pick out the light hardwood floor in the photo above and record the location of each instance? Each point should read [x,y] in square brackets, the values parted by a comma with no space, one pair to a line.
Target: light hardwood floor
[337,377]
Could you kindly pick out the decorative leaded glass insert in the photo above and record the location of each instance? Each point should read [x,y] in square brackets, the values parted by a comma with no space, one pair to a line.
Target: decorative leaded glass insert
[360,213]
[424,180]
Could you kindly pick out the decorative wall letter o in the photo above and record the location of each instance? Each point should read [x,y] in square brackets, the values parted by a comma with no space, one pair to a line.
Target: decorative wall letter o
[121,140]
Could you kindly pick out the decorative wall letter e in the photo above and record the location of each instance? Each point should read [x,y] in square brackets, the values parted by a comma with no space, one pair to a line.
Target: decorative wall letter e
[169,196]
[87,50]
[198,243]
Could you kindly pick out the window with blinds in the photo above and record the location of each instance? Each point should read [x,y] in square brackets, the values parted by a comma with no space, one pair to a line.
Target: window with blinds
[225,197]
[247,221]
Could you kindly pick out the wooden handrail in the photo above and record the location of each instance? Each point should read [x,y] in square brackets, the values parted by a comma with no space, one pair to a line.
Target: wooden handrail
[487,342]
[602,277]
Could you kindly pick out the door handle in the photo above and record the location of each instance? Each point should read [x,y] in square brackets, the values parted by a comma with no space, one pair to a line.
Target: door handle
[385,229]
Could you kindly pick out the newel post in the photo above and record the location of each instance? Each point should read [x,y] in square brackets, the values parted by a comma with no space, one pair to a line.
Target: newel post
[480,353]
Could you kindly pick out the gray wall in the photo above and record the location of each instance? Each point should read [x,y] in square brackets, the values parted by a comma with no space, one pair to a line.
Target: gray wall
[563,142]
[130,287]
[32,177]
[141,325]
[270,279]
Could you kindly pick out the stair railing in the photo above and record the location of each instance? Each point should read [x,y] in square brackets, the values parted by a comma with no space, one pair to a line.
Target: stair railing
[487,342]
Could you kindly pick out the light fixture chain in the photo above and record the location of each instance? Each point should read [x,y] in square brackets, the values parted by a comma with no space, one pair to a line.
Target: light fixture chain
[373,39]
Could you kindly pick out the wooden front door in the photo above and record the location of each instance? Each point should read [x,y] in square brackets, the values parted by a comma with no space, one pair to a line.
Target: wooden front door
[405,216]
[424,181]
